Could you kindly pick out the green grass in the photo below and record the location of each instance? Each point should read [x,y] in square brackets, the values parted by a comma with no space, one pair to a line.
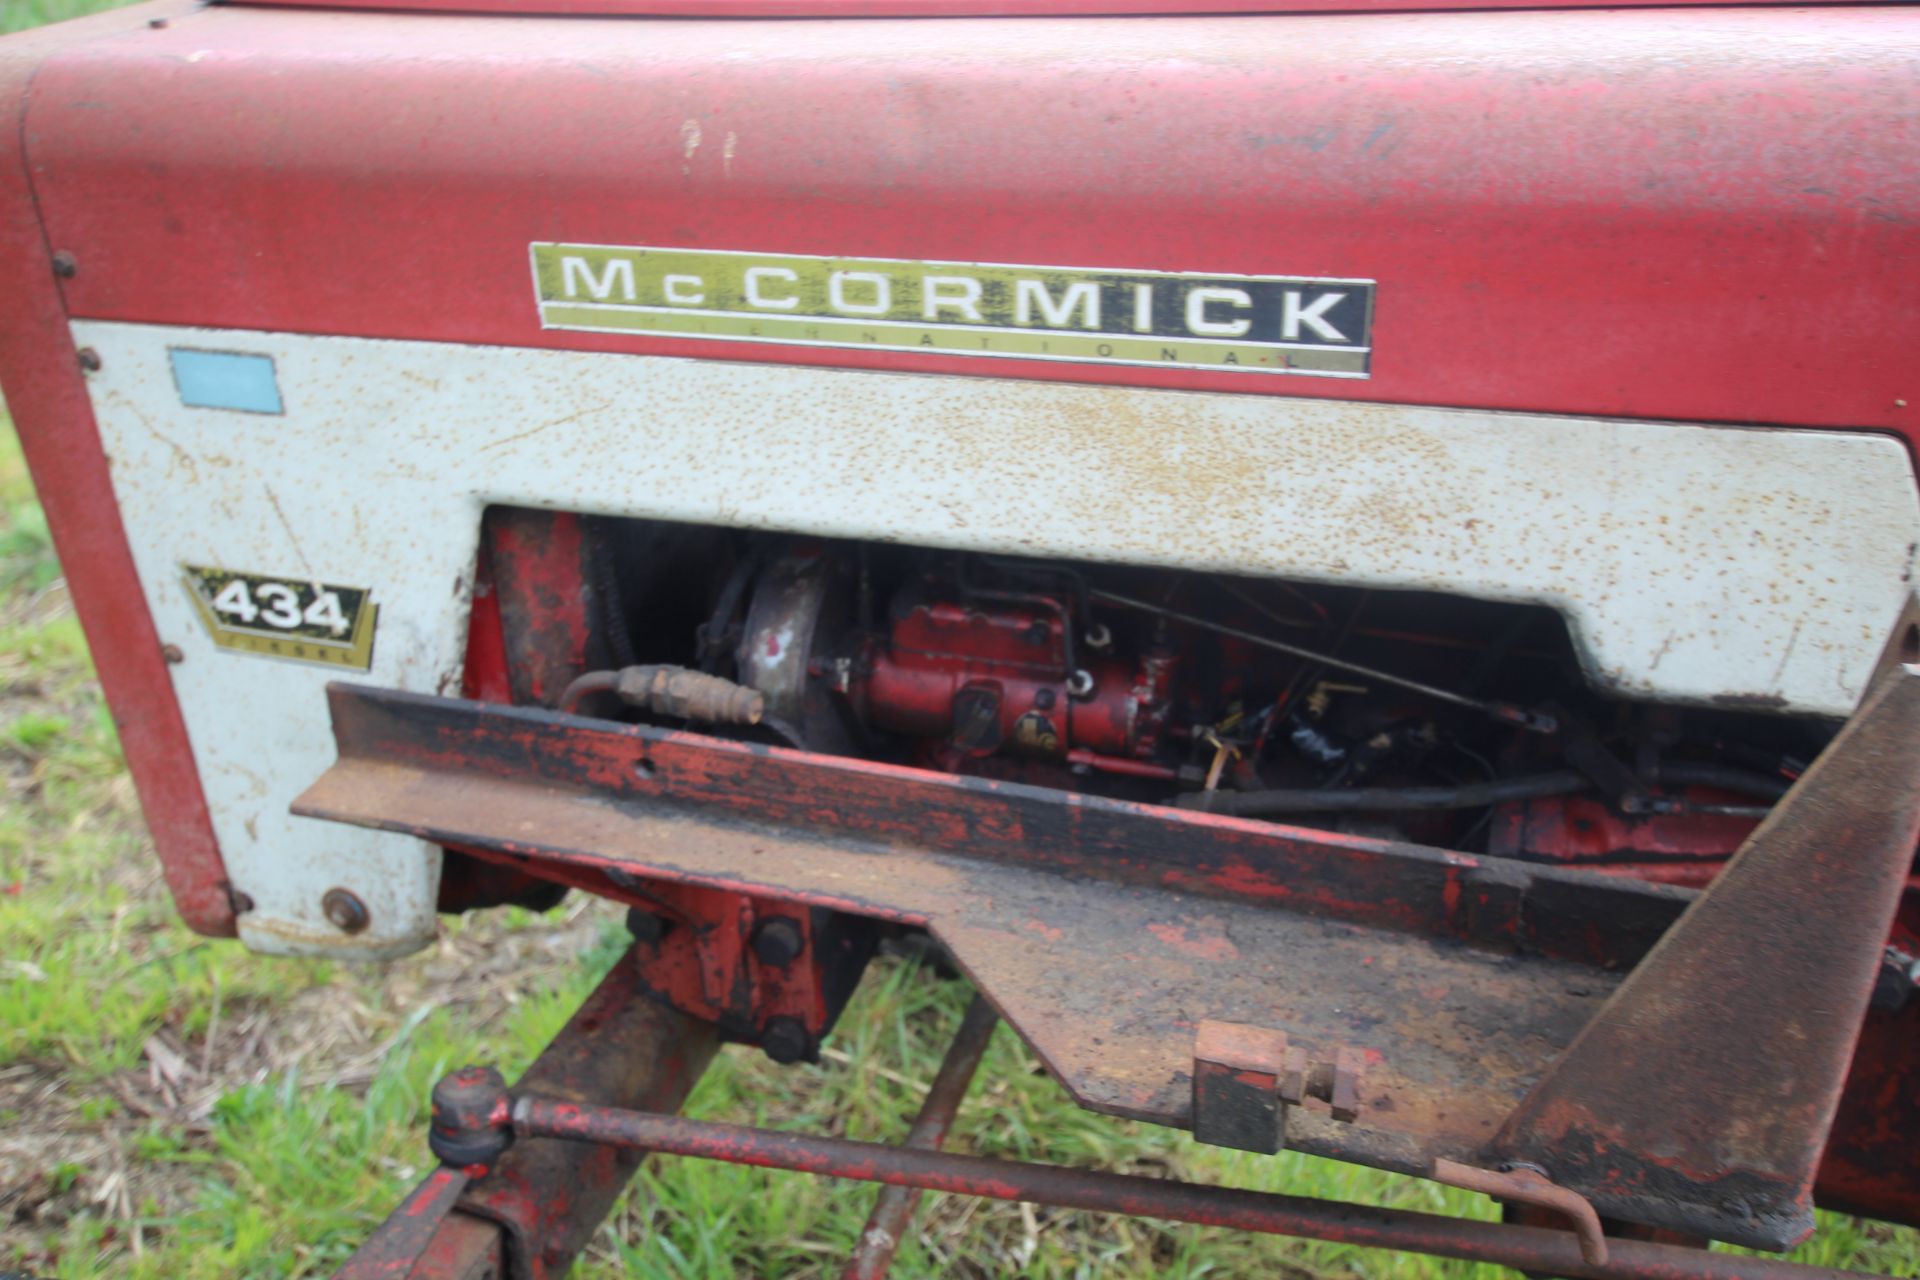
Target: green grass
[297,1121]
[18,15]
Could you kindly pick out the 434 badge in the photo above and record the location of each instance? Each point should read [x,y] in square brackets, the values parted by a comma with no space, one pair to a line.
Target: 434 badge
[279,617]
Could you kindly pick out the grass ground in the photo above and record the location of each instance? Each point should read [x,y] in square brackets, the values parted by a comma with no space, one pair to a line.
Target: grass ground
[175,1107]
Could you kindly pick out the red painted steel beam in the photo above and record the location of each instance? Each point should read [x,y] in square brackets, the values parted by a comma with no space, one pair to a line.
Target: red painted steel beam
[541,582]
[391,1251]
[893,1210]
[1533,1249]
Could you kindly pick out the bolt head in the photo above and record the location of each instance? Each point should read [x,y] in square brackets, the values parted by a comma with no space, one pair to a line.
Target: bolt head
[785,1040]
[778,941]
[64,265]
[345,910]
[1891,989]
[644,925]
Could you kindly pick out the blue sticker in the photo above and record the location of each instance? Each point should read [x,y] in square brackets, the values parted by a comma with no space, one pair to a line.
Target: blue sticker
[226,380]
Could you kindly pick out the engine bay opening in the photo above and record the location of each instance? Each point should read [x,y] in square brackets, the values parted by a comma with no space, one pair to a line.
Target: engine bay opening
[1442,720]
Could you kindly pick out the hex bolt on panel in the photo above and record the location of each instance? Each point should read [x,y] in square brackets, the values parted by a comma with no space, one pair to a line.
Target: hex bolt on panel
[778,941]
[344,910]
[644,925]
[785,1040]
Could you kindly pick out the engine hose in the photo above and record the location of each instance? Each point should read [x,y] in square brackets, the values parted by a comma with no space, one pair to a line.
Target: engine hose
[605,584]
[582,686]
[1700,773]
[712,637]
[1472,795]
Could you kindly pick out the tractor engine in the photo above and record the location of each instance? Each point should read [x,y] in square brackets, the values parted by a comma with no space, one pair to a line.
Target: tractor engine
[979,675]
[964,671]
[1402,715]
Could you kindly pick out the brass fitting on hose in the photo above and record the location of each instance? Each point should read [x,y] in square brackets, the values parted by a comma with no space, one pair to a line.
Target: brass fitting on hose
[690,695]
[670,691]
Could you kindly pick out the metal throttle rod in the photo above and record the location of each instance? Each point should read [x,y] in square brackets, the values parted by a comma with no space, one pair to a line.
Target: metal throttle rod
[476,1119]
[1540,1250]
[1504,712]
[893,1208]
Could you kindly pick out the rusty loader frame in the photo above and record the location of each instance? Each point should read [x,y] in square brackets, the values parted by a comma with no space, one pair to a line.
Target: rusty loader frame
[1553,1038]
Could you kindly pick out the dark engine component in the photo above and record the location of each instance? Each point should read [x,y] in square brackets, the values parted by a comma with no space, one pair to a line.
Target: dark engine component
[1452,722]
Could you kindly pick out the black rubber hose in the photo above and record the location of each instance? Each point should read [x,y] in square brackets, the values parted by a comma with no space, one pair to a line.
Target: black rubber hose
[1470,796]
[605,584]
[713,635]
[1700,773]
[1473,795]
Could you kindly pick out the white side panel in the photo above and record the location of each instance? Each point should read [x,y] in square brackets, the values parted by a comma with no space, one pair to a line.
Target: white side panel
[1704,564]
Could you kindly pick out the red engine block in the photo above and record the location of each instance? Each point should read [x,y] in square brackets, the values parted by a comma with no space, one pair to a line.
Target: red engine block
[970,680]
